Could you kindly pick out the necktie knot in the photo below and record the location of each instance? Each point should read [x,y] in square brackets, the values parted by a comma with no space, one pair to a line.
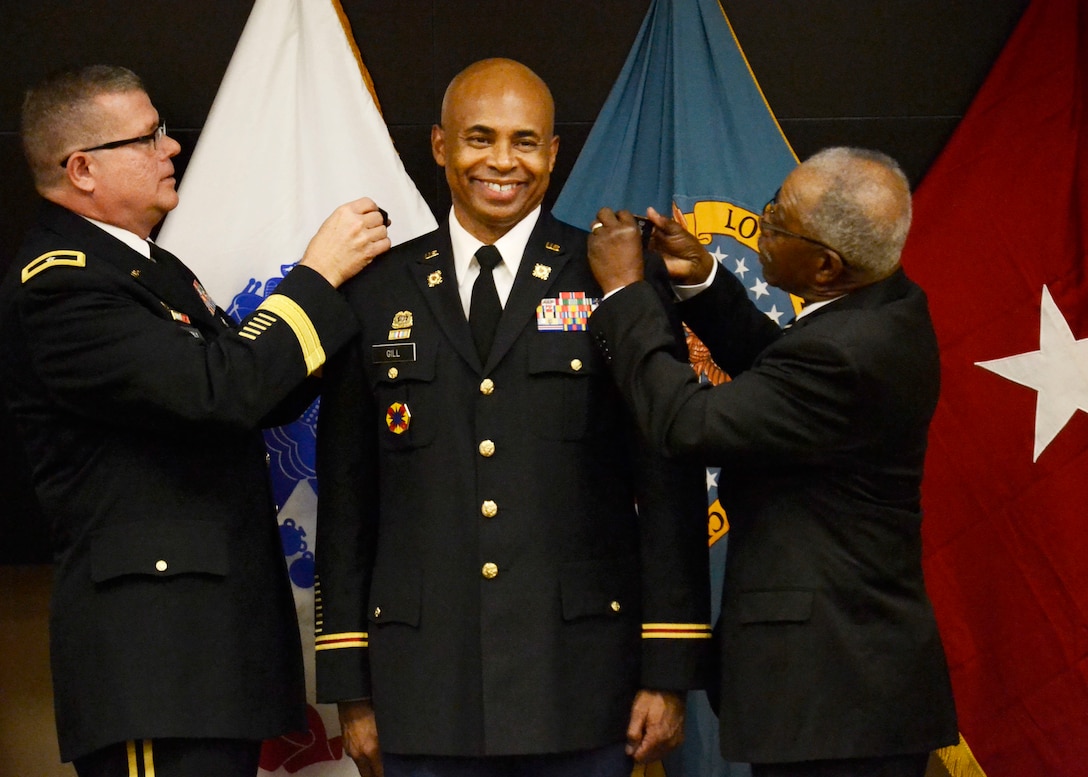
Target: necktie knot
[488,257]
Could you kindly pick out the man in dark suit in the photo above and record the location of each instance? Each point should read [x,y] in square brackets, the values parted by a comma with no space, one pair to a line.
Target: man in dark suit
[174,642]
[489,600]
[831,663]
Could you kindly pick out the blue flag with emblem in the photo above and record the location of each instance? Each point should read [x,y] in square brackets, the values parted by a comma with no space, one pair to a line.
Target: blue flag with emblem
[687,130]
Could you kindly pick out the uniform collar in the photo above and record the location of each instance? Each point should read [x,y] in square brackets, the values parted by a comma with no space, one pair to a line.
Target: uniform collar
[511,245]
[131,239]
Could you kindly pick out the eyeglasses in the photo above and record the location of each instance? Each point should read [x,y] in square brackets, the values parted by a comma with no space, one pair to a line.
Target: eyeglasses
[767,226]
[153,137]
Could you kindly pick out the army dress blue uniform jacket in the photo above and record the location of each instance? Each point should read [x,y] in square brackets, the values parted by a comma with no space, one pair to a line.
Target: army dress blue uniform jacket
[483,574]
[828,644]
[140,408]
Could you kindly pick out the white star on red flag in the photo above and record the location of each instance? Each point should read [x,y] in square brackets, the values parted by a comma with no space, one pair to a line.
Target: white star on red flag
[1058,371]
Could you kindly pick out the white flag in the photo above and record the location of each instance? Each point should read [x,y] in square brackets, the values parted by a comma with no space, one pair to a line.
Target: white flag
[294,132]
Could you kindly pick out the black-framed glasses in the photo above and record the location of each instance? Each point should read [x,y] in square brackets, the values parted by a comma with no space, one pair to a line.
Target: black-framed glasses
[153,137]
[766,226]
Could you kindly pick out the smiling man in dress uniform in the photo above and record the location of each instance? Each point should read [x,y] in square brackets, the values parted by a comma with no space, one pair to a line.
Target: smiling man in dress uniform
[174,643]
[490,601]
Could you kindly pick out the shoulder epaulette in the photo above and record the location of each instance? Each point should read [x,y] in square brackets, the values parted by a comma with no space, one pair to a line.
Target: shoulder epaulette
[54,259]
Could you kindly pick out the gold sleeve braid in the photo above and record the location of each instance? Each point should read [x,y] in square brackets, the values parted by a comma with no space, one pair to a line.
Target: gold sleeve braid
[295,317]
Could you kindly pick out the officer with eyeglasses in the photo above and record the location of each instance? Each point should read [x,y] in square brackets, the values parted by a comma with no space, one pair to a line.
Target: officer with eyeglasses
[830,660]
[174,644]
[151,138]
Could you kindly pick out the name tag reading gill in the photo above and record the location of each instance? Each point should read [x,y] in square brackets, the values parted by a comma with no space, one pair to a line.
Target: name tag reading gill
[383,353]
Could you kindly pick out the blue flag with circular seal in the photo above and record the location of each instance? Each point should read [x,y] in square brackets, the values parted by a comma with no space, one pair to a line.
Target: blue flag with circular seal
[687,130]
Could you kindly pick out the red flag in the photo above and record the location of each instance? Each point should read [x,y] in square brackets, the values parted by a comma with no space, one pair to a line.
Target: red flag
[999,244]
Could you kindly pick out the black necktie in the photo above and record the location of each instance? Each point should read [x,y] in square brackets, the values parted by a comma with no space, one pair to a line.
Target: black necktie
[484,309]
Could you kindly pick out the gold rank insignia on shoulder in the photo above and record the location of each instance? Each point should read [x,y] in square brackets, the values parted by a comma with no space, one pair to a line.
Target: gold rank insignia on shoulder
[542,271]
[54,259]
[434,278]
[553,247]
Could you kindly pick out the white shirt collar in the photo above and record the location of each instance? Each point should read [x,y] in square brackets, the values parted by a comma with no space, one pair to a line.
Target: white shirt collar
[511,246]
[811,306]
[131,239]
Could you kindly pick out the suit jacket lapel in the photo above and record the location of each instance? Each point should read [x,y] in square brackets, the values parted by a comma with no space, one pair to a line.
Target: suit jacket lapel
[541,266]
[173,282]
[435,274]
[169,280]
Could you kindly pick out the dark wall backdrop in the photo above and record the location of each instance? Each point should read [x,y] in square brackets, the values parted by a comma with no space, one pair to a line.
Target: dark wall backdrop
[895,75]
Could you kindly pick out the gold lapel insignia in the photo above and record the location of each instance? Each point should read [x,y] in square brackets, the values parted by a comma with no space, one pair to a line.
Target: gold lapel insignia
[430,255]
[542,271]
[434,278]
[553,247]
[135,273]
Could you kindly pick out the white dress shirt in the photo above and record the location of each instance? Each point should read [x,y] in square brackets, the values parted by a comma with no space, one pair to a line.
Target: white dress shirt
[511,246]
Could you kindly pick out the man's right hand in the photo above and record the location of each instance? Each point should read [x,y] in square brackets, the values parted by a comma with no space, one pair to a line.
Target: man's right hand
[361,736]
[687,260]
[348,241]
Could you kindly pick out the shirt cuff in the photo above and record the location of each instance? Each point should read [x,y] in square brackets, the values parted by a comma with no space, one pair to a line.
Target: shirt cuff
[687,292]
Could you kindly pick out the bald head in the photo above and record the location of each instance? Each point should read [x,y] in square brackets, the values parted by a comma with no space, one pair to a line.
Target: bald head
[493,76]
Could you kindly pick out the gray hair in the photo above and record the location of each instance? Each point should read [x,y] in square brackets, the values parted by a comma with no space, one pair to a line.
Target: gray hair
[59,116]
[864,210]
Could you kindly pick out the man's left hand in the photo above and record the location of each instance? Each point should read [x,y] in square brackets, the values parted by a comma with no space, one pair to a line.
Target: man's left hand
[657,725]
[615,250]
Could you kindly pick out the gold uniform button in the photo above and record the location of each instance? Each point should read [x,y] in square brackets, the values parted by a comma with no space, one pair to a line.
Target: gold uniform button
[487,449]
[393,373]
[576,364]
[487,387]
[490,571]
[161,565]
[489,509]
[615,606]
[377,612]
